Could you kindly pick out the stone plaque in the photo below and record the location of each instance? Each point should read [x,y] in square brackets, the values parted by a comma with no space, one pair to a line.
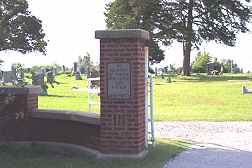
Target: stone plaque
[119,80]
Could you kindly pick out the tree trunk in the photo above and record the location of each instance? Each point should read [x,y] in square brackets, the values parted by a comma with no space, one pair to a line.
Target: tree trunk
[186,60]
[187,44]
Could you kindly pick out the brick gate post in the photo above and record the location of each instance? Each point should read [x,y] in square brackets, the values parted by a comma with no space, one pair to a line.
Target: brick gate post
[122,66]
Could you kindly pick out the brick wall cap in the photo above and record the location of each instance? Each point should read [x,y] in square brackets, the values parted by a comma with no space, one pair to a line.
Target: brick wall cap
[84,117]
[122,33]
[34,90]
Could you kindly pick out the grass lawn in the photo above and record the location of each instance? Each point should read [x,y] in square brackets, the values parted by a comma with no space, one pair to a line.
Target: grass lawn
[197,97]
[65,97]
[201,98]
[39,156]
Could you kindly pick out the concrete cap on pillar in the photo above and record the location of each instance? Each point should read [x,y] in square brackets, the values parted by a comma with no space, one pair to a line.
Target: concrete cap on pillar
[122,33]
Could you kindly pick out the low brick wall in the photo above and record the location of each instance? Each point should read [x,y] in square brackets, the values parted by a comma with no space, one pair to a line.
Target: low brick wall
[21,121]
[56,126]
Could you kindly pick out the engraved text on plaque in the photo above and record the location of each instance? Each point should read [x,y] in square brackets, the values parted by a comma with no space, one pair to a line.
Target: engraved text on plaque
[119,80]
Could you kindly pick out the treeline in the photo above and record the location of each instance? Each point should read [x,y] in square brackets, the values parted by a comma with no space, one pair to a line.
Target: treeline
[84,66]
[204,63]
[57,69]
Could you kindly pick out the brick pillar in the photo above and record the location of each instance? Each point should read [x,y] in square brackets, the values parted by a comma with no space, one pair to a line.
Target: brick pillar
[122,66]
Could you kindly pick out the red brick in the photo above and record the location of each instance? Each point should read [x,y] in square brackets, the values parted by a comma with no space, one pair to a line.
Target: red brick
[123,120]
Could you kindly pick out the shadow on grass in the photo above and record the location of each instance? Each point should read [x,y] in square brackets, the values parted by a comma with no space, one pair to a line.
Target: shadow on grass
[159,84]
[40,156]
[60,96]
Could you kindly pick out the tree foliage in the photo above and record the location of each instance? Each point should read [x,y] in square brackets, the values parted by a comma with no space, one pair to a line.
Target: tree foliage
[119,15]
[187,21]
[131,14]
[194,21]
[201,62]
[19,29]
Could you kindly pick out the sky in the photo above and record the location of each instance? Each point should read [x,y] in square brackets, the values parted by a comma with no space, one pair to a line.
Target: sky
[70,28]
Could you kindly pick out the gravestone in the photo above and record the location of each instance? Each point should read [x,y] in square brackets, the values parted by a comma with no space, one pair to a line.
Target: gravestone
[9,77]
[77,72]
[1,77]
[78,76]
[50,77]
[122,78]
[15,76]
[38,80]
[63,68]
[75,68]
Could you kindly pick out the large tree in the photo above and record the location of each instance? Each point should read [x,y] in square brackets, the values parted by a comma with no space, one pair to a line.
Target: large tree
[19,29]
[192,21]
[131,14]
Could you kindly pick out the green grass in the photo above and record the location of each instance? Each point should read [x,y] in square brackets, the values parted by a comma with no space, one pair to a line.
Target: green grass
[203,98]
[198,97]
[39,156]
[65,97]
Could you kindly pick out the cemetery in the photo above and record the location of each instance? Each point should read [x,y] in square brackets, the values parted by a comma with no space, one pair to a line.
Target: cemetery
[218,98]
[125,110]
[113,133]
[68,112]
[68,120]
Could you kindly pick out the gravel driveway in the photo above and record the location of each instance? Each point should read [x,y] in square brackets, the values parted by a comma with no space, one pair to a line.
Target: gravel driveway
[215,144]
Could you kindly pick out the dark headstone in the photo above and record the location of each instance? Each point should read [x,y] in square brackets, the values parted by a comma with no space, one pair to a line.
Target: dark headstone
[64,68]
[9,77]
[51,78]
[75,67]
[78,76]
[1,77]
